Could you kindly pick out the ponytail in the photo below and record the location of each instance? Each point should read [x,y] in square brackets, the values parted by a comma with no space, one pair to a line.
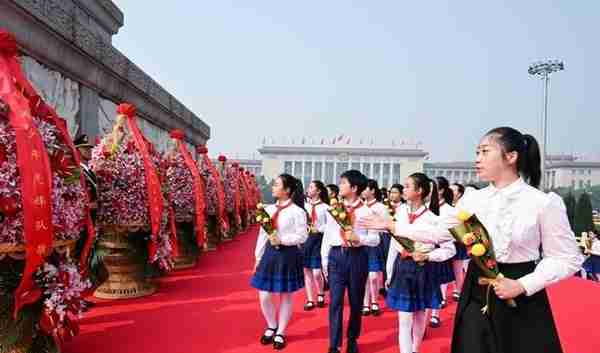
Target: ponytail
[295,188]
[444,186]
[434,202]
[528,150]
[323,193]
[530,162]
[427,185]
[372,184]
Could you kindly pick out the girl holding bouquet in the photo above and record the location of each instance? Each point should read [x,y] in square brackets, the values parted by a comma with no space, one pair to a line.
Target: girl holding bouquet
[446,271]
[413,285]
[317,213]
[278,267]
[372,195]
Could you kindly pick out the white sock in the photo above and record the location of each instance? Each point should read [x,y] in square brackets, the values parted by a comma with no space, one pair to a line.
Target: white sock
[268,309]
[308,281]
[405,327]
[418,331]
[285,312]
[459,274]
[444,289]
[318,277]
[367,299]
[374,285]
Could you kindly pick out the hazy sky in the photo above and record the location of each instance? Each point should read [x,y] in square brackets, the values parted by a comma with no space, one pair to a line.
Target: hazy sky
[442,72]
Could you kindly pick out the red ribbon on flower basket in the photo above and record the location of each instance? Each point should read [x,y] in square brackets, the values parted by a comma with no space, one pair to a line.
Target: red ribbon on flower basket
[34,170]
[237,204]
[155,199]
[218,184]
[44,111]
[198,187]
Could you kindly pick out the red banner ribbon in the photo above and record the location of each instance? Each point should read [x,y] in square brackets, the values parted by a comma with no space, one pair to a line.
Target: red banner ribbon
[36,178]
[155,199]
[198,188]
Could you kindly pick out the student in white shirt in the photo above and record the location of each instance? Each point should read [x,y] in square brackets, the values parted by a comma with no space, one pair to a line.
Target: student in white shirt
[345,262]
[413,285]
[593,261]
[311,249]
[278,267]
[372,197]
[521,220]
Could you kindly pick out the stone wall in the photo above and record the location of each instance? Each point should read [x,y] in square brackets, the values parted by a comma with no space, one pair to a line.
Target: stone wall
[73,37]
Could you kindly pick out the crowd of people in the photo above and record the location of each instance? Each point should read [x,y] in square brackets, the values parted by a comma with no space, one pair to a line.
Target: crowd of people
[358,252]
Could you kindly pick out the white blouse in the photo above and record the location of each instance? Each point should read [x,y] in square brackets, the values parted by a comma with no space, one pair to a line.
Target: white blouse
[379,209]
[431,223]
[292,228]
[331,238]
[321,210]
[520,219]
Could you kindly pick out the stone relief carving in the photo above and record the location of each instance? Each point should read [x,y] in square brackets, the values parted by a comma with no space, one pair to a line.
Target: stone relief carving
[58,91]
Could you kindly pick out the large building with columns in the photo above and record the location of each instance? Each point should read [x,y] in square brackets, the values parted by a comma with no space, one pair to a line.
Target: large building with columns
[562,171]
[325,159]
[68,56]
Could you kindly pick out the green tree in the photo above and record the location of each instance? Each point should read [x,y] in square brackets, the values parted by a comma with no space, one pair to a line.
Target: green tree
[584,219]
[265,189]
[571,204]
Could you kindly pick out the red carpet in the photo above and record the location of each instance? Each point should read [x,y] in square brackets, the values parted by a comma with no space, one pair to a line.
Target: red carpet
[213,309]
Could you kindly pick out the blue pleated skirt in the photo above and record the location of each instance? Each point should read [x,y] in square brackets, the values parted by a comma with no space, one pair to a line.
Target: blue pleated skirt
[413,287]
[443,271]
[592,264]
[461,251]
[311,251]
[280,270]
[376,263]
[384,245]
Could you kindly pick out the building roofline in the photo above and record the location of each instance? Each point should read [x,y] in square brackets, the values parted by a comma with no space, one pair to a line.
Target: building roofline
[352,150]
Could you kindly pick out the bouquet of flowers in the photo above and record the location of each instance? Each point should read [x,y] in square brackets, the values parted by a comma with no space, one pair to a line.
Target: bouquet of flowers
[410,246]
[265,221]
[390,208]
[585,242]
[124,196]
[215,195]
[476,238]
[179,184]
[338,212]
[63,289]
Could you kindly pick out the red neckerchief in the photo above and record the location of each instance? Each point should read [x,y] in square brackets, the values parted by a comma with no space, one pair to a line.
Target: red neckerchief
[350,214]
[276,214]
[313,212]
[412,217]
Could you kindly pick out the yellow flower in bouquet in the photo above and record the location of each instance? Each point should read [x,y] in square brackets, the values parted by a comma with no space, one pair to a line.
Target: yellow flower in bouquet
[464,216]
[259,218]
[266,220]
[334,213]
[478,250]
[260,206]
[343,215]
[468,239]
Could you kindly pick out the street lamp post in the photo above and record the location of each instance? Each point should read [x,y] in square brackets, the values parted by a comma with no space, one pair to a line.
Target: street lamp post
[543,70]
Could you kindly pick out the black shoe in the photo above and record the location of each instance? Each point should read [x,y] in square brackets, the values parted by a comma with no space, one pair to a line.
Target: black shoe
[444,303]
[434,322]
[279,345]
[333,350]
[321,300]
[309,306]
[375,309]
[366,311]
[456,296]
[352,347]
[265,340]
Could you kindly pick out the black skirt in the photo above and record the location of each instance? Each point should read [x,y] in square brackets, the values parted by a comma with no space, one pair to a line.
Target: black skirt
[528,328]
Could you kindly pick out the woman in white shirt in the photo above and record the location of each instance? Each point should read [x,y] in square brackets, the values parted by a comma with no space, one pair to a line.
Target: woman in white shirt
[521,220]
[317,215]
[278,267]
[413,283]
[372,197]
